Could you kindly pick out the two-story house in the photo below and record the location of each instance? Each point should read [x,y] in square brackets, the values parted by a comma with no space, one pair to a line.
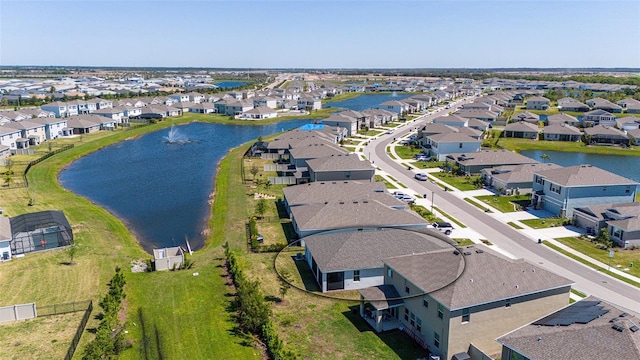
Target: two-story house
[447,300]
[561,190]
[538,103]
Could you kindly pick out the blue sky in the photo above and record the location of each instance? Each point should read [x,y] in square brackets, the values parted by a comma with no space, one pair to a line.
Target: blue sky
[321,34]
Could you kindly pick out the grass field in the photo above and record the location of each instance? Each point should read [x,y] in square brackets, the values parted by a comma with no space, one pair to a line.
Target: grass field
[474,203]
[622,259]
[525,144]
[407,152]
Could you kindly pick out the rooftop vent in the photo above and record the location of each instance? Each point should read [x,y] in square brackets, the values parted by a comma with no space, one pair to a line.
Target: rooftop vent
[613,320]
[467,253]
[479,251]
[624,314]
[341,202]
[617,328]
[634,328]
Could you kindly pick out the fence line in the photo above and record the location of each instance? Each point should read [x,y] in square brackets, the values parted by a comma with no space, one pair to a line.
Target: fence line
[79,331]
[17,312]
[42,158]
[57,309]
[283,180]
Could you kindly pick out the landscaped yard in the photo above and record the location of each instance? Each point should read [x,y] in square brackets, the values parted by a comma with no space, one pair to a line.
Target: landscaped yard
[506,203]
[370,132]
[462,183]
[427,164]
[386,183]
[622,259]
[567,146]
[544,223]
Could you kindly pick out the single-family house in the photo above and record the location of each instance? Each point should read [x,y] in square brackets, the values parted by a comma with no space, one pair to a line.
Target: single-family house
[179,97]
[353,259]
[5,238]
[195,97]
[266,101]
[561,190]
[472,162]
[238,107]
[557,119]
[538,103]
[477,124]
[378,117]
[451,120]
[30,130]
[599,117]
[484,115]
[447,300]
[61,109]
[9,135]
[168,258]
[101,103]
[561,132]
[574,105]
[444,144]
[203,108]
[607,135]
[513,179]
[620,220]
[116,114]
[587,329]
[53,127]
[339,168]
[335,215]
[309,103]
[37,113]
[313,148]
[85,124]
[5,152]
[259,113]
[521,130]
[628,123]
[630,105]
[634,136]
[526,117]
[395,106]
[347,122]
[603,104]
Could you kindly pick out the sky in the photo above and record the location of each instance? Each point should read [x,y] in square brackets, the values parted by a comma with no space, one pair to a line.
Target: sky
[321,34]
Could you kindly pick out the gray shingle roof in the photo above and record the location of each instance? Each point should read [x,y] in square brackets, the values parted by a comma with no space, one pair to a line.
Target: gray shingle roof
[308,149]
[520,173]
[489,157]
[584,175]
[336,251]
[563,128]
[521,126]
[596,339]
[483,277]
[339,162]
[382,297]
[347,191]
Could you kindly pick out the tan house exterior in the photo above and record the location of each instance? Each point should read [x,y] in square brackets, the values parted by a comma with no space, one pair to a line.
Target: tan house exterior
[457,297]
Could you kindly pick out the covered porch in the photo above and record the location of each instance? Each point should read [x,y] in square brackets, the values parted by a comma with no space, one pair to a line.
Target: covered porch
[381,312]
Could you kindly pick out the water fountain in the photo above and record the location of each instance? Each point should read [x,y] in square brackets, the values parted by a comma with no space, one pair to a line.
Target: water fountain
[394,94]
[175,137]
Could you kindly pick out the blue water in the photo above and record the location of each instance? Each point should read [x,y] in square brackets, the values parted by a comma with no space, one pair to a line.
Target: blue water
[160,190]
[627,166]
[231,84]
[364,102]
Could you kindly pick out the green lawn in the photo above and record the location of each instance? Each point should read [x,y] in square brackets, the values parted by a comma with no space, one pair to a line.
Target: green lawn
[370,132]
[427,164]
[505,203]
[464,242]
[387,184]
[462,183]
[525,144]
[514,225]
[470,201]
[407,152]
[543,223]
[621,258]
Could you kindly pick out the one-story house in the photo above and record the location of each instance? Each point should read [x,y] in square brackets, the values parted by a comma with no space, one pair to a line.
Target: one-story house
[601,134]
[522,130]
[561,132]
[350,260]
[513,178]
[471,163]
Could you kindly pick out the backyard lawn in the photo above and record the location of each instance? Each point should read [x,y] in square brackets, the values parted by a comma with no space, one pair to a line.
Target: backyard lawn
[506,203]
[407,152]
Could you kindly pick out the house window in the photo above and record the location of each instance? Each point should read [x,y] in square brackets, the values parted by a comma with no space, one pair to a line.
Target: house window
[406,314]
[425,302]
[413,320]
[419,324]
[460,145]
[555,188]
[627,189]
[508,303]
[440,311]
[466,316]
[436,340]
[356,275]
[406,287]
[389,272]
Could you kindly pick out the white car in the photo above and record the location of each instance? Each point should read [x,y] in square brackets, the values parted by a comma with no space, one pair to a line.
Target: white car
[389,132]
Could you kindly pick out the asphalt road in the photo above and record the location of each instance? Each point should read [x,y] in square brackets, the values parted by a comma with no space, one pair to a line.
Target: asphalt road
[500,234]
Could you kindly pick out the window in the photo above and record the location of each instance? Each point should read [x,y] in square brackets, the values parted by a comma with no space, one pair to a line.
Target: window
[413,320]
[407,290]
[555,188]
[419,324]
[389,272]
[356,275]
[436,340]
[425,302]
[440,311]
[406,314]
[466,316]
[460,145]
[508,303]
[627,189]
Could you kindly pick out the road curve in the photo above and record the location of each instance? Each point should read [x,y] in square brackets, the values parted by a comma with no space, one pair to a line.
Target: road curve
[505,237]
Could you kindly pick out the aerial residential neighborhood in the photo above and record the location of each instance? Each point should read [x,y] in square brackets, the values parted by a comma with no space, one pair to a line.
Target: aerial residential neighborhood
[319,180]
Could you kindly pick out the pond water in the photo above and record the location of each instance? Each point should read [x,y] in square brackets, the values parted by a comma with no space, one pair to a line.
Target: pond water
[627,166]
[160,189]
[231,84]
[366,101]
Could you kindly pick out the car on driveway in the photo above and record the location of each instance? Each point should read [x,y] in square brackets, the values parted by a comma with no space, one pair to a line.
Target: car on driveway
[421,176]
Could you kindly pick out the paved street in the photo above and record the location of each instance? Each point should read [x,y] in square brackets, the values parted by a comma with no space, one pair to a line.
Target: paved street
[517,243]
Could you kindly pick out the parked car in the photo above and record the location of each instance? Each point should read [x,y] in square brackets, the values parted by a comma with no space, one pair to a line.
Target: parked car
[421,176]
[406,198]
[389,132]
[444,227]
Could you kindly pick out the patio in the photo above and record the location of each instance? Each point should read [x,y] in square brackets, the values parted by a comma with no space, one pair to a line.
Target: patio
[381,311]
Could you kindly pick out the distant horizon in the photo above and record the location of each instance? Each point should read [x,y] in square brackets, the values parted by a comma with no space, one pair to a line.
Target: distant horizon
[296,34]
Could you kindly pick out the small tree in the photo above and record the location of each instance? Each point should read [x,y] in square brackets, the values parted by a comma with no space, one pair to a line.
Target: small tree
[254,170]
[8,163]
[267,184]
[604,238]
[261,207]
[285,283]
[72,250]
